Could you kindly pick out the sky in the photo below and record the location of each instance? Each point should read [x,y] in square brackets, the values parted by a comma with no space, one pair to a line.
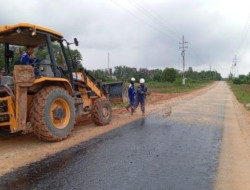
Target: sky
[145,33]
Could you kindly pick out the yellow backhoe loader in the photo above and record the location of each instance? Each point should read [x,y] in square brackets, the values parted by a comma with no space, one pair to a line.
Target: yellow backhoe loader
[51,101]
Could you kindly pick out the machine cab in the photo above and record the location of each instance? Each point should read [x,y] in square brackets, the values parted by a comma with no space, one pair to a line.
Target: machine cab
[51,54]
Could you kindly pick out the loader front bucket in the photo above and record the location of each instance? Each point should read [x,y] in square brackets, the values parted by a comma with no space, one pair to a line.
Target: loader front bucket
[115,91]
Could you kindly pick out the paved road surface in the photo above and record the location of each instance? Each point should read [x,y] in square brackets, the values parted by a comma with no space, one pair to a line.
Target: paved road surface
[179,151]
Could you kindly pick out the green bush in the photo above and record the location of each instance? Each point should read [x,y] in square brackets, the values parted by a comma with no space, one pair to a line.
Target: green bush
[242,79]
[170,74]
[237,81]
[178,81]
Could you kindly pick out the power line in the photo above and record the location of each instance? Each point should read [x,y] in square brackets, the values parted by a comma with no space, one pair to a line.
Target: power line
[245,34]
[157,23]
[151,16]
[148,12]
[241,44]
[144,21]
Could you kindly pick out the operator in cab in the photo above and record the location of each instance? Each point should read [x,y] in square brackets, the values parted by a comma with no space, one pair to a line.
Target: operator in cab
[29,58]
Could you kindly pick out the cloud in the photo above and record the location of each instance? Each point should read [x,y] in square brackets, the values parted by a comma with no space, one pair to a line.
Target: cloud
[143,33]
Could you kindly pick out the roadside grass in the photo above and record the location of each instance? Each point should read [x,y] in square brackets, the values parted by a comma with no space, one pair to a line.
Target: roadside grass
[166,87]
[242,92]
[120,105]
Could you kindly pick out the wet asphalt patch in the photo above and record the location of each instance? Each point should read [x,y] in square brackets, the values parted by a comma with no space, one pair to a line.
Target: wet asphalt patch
[150,153]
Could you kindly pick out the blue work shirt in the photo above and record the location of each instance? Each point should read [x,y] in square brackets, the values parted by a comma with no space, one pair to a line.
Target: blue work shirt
[141,93]
[25,59]
[131,92]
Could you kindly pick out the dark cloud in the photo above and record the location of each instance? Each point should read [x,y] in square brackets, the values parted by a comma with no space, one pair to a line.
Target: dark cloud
[145,34]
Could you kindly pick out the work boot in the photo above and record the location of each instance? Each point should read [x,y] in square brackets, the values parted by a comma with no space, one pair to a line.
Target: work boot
[143,113]
[132,111]
[127,108]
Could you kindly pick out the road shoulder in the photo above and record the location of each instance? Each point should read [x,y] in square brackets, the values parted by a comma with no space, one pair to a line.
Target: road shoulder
[234,163]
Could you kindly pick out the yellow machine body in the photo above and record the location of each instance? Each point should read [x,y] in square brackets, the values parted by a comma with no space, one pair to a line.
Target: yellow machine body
[65,94]
[19,107]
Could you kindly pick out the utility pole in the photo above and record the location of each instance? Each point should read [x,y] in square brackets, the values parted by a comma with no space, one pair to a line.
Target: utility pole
[211,75]
[108,61]
[232,70]
[121,72]
[108,66]
[235,60]
[183,47]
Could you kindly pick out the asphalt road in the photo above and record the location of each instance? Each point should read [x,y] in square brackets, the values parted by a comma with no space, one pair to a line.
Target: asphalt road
[179,151]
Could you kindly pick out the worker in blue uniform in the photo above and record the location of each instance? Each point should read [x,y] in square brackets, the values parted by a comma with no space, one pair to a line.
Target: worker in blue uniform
[29,58]
[141,96]
[131,95]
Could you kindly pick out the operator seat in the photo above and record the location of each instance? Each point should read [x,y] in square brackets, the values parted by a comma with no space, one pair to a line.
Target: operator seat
[7,87]
[7,80]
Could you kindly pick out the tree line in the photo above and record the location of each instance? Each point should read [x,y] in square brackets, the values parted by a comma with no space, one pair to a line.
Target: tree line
[124,73]
[241,79]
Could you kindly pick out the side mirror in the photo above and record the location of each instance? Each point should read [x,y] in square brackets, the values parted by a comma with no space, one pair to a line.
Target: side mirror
[76,41]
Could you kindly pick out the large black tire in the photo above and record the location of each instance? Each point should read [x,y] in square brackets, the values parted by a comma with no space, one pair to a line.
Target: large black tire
[52,114]
[101,112]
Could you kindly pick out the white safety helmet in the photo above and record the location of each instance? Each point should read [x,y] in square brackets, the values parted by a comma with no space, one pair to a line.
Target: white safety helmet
[132,79]
[142,81]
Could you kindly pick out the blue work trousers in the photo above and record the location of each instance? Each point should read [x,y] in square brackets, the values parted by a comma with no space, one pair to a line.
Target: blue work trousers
[142,102]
